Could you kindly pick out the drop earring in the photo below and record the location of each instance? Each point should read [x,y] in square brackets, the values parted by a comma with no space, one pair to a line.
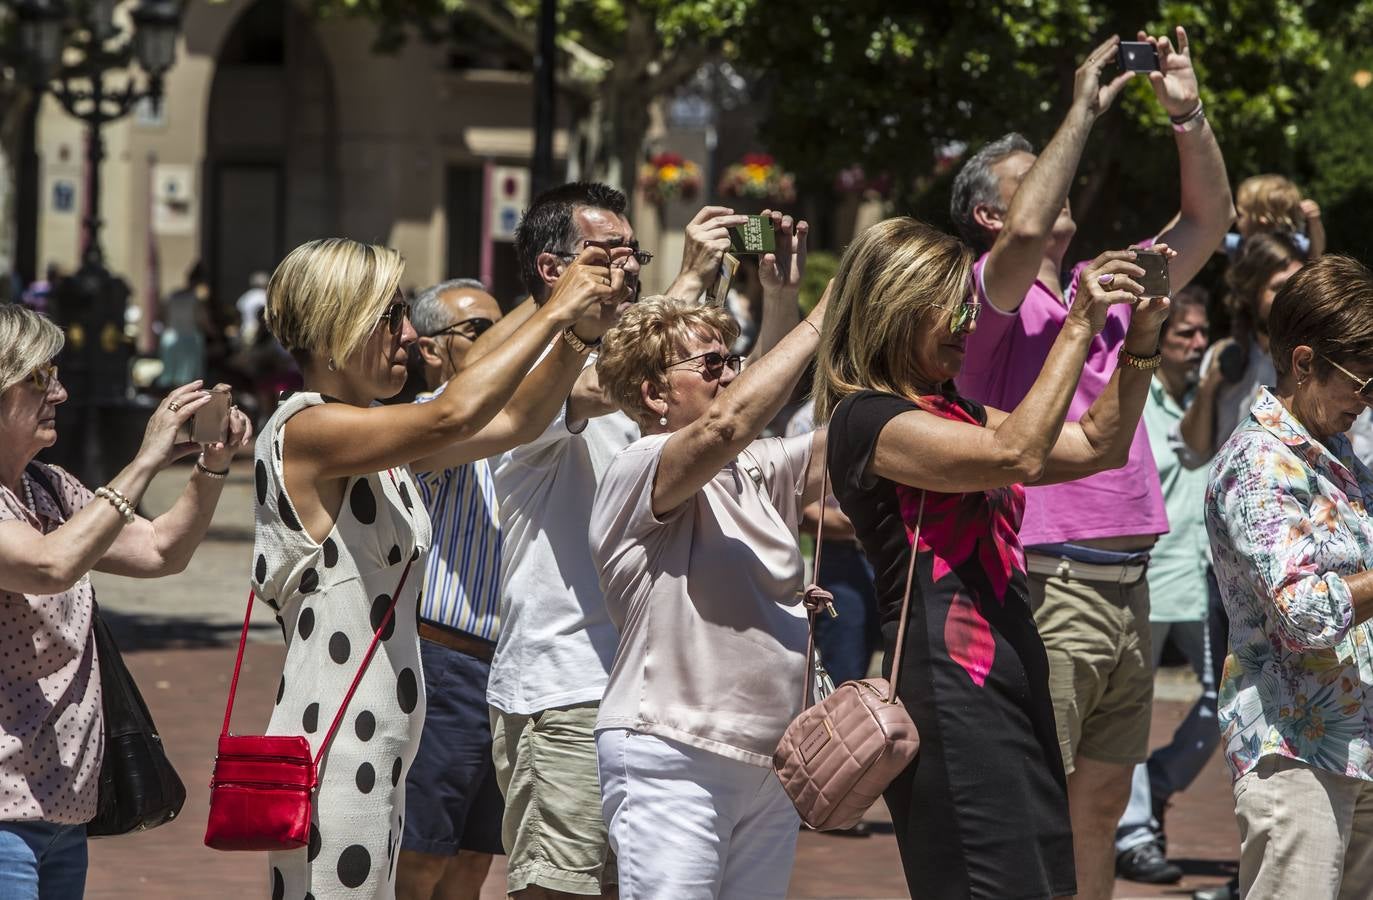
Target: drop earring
[662,420]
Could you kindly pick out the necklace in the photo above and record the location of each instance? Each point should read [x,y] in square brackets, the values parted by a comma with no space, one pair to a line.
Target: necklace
[28,493]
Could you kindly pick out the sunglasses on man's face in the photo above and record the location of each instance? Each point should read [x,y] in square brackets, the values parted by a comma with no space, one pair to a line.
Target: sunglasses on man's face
[966,314]
[1365,385]
[618,251]
[468,328]
[395,316]
[44,377]
[712,363]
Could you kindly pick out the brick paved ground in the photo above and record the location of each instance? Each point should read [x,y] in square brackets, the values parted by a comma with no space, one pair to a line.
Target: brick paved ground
[178,634]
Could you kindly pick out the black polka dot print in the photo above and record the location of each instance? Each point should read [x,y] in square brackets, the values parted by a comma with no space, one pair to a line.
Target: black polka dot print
[306,623]
[288,515]
[354,864]
[363,502]
[380,606]
[260,480]
[260,570]
[339,648]
[332,596]
[407,690]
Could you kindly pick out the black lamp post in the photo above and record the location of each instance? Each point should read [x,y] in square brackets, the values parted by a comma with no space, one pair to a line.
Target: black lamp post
[68,48]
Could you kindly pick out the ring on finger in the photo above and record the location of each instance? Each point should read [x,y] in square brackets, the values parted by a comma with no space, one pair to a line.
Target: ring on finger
[174,406]
[1106,279]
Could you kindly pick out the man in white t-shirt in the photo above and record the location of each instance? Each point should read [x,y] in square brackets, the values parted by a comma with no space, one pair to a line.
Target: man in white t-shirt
[557,642]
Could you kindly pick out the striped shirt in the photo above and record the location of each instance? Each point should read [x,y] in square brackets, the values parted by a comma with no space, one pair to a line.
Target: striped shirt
[462,584]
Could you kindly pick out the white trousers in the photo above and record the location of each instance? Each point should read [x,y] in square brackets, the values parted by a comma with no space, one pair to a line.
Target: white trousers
[688,824]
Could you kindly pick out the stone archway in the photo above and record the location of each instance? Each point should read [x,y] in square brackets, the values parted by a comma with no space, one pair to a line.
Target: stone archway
[270,173]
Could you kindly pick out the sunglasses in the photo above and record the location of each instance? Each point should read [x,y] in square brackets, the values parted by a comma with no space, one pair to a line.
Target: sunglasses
[468,328]
[395,316]
[1365,389]
[966,313]
[712,363]
[617,249]
[44,377]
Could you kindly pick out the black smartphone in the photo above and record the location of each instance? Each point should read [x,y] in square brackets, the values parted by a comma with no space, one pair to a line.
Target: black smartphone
[1137,56]
[1155,279]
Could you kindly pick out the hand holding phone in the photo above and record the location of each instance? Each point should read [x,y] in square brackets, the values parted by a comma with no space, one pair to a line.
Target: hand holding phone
[1137,56]
[210,424]
[1155,279]
[753,237]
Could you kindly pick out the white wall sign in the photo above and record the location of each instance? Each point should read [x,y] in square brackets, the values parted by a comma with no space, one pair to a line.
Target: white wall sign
[509,192]
[173,199]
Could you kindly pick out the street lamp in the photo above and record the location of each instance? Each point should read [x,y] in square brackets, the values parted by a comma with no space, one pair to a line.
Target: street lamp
[68,48]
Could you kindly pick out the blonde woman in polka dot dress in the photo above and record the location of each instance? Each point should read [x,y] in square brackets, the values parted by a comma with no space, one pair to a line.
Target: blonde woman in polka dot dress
[53,532]
[338,519]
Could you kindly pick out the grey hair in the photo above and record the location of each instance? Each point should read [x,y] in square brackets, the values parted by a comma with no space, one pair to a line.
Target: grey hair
[428,315]
[977,185]
[27,341]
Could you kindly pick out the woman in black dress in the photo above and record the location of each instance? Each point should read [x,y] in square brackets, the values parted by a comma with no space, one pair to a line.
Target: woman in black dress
[983,810]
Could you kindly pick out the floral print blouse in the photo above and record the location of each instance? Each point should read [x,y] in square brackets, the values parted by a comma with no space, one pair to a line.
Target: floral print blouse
[1288,520]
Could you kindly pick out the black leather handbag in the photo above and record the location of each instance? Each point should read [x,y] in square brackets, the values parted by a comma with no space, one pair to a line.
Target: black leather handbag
[139,788]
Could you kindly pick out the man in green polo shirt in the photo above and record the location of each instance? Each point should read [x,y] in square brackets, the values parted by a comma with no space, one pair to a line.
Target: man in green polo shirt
[1179,416]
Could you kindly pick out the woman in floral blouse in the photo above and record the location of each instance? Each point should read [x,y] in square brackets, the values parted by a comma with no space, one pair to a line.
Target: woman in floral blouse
[1287,512]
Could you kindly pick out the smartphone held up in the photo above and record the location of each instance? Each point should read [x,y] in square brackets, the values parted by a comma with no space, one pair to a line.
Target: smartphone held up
[210,424]
[1137,56]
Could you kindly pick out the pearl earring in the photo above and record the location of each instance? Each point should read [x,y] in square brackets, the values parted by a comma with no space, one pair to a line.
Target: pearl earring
[662,420]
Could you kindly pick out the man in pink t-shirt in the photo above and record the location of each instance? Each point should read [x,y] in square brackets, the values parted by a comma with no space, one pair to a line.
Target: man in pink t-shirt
[1088,540]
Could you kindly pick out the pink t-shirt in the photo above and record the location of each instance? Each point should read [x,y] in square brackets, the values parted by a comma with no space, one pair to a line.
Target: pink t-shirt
[1004,356]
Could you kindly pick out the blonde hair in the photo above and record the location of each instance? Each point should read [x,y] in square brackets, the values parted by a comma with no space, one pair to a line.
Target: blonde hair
[895,279]
[1272,198]
[327,295]
[650,335]
[27,341]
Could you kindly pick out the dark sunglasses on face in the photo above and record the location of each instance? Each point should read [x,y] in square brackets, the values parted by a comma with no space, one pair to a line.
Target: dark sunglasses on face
[618,250]
[468,328]
[966,313]
[1365,385]
[395,316]
[44,376]
[712,363]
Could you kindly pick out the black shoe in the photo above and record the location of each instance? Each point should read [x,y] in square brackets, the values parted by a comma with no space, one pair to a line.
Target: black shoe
[1147,865]
[1228,891]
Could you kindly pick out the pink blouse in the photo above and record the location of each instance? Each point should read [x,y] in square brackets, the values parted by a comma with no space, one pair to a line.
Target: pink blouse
[50,725]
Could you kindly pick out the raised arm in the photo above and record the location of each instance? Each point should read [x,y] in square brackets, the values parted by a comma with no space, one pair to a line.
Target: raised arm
[1207,209]
[707,240]
[696,453]
[323,441]
[780,274]
[503,329]
[928,451]
[1015,257]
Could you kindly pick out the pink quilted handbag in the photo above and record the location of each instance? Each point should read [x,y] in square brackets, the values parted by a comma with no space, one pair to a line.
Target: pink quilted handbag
[838,756]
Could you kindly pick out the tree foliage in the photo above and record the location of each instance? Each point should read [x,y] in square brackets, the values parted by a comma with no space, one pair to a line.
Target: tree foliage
[888,87]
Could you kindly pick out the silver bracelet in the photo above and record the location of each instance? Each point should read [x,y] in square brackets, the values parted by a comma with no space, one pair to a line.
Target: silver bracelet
[207,471]
[118,501]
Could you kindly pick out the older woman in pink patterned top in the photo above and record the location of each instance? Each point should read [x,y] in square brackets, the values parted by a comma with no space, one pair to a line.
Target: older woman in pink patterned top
[53,532]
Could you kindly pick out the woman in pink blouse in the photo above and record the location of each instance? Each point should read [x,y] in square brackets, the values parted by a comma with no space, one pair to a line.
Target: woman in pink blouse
[53,533]
[1287,511]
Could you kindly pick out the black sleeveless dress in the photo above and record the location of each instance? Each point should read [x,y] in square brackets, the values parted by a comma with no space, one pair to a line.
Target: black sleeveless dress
[983,811]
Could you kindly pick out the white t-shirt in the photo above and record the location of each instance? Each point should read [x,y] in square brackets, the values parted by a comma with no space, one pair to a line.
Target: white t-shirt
[713,636]
[557,642]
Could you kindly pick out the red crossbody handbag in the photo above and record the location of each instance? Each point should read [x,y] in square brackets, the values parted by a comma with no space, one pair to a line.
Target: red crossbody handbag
[263,786]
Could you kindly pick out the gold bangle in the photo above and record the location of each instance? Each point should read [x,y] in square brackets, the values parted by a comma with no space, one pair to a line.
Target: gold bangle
[1143,363]
[812,326]
[577,343]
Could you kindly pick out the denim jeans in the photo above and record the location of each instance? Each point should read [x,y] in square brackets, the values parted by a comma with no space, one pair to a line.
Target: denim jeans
[847,643]
[42,861]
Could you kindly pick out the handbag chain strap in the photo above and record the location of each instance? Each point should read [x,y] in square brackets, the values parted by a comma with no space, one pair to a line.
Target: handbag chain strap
[362,667]
[905,600]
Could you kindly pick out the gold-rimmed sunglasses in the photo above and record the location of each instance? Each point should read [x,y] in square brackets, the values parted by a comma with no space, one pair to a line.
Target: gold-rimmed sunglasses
[1365,385]
[395,316]
[44,377]
[966,314]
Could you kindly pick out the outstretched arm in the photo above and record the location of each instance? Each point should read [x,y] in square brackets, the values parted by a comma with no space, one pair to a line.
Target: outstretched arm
[1207,208]
[1015,258]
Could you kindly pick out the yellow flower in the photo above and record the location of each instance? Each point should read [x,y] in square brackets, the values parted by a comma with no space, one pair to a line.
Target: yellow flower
[670,172]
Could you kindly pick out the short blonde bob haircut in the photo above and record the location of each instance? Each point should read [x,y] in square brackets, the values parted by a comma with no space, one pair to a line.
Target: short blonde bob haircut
[326,296]
[649,336]
[896,279]
[27,341]
[1274,199]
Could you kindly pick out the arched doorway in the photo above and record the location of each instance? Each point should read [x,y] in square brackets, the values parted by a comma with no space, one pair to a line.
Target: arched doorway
[270,170]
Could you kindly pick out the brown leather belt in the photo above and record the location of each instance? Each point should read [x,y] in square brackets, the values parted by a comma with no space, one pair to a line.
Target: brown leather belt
[457,640]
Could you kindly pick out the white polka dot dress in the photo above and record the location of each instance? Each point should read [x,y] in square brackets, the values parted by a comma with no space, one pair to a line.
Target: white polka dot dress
[329,598]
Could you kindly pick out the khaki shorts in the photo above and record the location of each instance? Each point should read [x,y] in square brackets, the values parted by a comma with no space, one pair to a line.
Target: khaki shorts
[552,829]
[1101,674]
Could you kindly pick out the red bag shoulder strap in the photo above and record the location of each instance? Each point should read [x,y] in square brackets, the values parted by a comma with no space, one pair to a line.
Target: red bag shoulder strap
[352,688]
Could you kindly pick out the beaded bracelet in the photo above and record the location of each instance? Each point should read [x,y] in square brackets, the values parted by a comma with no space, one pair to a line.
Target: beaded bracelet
[207,471]
[118,501]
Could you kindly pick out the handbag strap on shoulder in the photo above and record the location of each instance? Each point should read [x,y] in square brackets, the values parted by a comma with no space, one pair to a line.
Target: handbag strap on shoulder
[352,688]
[906,602]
